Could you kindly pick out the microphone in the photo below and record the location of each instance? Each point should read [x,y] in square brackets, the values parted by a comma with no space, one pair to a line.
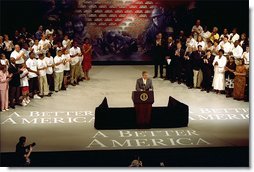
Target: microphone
[144,87]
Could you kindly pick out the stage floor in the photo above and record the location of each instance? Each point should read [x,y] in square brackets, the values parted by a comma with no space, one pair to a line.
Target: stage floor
[64,122]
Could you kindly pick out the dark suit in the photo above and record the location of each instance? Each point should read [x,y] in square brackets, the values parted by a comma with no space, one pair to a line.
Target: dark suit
[188,70]
[141,86]
[196,57]
[170,53]
[158,53]
[177,65]
[14,84]
[207,69]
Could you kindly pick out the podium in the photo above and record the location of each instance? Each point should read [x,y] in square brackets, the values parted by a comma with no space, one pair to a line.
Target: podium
[143,101]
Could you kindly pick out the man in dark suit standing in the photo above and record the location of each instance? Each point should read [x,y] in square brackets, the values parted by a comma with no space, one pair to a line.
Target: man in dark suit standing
[158,53]
[14,84]
[143,111]
[177,63]
[144,83]
[169,53]
[207,69]
[197,59]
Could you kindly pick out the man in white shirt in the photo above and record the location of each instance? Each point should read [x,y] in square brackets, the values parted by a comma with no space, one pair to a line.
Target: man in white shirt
[75,53]
[237,50]
[49,72]
[35,47]
[18,55]
[66,42]
[59,68]
[42,68]
[67,59]
[225,33]
[197,30]
[31,64]
[206,33]
[26,50]
[191,42]
[234,36]
[49,30]
[43,44]
[225,45]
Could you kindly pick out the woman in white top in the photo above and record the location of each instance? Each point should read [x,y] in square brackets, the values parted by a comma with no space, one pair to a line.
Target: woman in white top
[4,61]
[201,42]
[219,64]
[8,46]
[246,57]
[209,45]
[216,48]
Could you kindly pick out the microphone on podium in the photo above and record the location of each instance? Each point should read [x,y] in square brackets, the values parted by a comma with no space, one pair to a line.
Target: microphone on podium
[144,86]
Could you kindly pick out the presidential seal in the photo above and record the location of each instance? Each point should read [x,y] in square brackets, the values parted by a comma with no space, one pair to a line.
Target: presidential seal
[143,96]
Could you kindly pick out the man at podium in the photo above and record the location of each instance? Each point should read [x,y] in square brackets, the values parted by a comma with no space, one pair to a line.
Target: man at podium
[144,83]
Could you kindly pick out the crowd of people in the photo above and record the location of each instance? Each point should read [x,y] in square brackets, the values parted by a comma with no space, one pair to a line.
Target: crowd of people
[205,60]
[37,65]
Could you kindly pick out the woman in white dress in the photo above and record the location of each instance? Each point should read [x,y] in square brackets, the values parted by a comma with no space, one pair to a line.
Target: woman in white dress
[219,64]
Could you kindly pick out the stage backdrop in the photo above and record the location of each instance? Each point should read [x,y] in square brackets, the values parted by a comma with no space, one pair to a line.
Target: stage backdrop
[120,30]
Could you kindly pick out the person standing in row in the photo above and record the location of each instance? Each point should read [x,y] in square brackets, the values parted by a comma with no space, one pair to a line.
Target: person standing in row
[31,64]
[197,29]
[219,64]
[19,56]
[43,83]
[67,59]
[75,52]
[207,70]
[4,87]
[8,46]
[4,61]
[59,68]
[158,55]
[229,75]
[24,85]
[170,47]
[14,84]
[240,80]
[49,72]
[188,67]
[87,61]
[197,72]
[177,63]
[43,44]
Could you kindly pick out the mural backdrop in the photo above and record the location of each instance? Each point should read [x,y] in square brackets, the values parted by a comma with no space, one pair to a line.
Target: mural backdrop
[120,30]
